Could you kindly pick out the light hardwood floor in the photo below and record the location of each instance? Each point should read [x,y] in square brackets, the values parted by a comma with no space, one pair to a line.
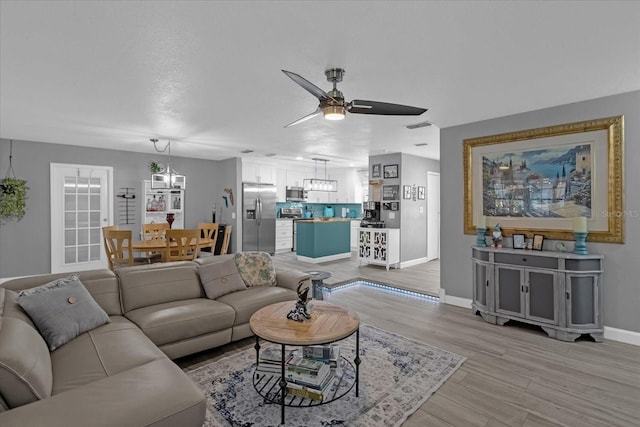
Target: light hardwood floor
[513,375]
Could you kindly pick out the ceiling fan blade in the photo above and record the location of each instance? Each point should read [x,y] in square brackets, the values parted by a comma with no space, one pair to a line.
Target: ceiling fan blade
[306,84]
[305,118]
[359,106]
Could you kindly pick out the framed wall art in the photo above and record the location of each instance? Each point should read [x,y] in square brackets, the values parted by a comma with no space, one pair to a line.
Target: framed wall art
[390,171]
[536,181]
[406,191]
[375,170]
[421,194]
[390,192]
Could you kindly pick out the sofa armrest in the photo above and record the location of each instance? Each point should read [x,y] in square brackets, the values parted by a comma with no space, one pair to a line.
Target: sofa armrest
[290,279]
[156,394]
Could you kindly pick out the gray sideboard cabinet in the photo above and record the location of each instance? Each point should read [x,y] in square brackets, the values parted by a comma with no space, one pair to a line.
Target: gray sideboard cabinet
[559,291]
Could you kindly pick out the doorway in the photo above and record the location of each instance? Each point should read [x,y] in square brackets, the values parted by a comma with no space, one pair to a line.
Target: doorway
[81,204]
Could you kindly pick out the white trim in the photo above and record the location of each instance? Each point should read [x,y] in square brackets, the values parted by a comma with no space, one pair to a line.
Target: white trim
[324,258]
[413,262]
[622,335]
[457,301]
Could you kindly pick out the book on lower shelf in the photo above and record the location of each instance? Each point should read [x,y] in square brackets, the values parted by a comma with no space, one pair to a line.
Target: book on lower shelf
[321,392]
[329,354]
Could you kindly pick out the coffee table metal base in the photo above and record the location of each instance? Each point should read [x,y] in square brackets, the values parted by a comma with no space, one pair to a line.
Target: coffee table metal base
[272,387]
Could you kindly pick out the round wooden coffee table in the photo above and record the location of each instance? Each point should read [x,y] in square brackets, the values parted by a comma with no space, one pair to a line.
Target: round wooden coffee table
[328,324]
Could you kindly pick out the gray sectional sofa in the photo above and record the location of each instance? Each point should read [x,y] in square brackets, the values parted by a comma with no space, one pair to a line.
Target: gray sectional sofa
[121,373]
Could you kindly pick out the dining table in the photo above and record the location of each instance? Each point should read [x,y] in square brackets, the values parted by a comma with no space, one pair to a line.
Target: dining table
[150,246]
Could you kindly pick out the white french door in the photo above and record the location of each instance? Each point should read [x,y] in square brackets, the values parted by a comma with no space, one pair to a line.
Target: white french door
[81,204]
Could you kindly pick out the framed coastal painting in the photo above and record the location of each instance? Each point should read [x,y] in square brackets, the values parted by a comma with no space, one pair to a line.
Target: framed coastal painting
[536,181]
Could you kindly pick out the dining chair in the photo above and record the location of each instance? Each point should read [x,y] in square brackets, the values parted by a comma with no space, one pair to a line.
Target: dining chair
[182,245]
[117,244]
[155,231]
[226,240]
[209,233]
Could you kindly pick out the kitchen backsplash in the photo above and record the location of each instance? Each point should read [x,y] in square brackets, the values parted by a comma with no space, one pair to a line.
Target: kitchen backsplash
[318,208]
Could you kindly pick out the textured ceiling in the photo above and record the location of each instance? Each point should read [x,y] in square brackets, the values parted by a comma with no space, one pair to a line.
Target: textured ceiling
[207,74]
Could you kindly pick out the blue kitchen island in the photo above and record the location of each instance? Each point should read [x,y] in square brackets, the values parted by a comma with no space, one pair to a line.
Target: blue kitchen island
[319,240]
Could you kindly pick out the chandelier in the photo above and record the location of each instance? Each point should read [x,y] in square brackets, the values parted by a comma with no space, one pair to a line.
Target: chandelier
[169,177]
[319,184]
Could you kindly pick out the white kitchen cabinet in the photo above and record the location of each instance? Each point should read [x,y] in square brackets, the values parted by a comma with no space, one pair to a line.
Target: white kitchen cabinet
[294,178]
[257,172]
[157,203]
[281,184]
[379,246]
[354,234]
[284,235]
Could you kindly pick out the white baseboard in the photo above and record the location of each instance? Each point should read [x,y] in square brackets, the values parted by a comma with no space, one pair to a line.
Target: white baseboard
[457,301]
[622,335]
[323,258]
[413,262]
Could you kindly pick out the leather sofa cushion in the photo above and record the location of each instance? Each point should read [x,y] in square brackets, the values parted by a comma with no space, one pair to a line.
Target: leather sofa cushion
[25,363]
[220,278]
[102,352]
[101,284]
[153,284]
[156,394]
[179,320]
[247,302]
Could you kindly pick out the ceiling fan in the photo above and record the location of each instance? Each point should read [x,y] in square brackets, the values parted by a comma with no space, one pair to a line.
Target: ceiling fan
[334,107]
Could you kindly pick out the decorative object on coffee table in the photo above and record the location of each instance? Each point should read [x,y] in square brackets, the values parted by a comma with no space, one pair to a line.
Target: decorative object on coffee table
[300,312]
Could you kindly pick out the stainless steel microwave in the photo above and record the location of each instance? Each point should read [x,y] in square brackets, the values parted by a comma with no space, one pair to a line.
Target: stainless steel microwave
[296,194]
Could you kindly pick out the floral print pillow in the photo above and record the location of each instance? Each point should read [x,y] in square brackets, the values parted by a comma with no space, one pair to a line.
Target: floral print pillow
[256,268]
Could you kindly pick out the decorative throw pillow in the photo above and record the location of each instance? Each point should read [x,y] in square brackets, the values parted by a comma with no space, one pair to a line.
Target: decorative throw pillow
[256,268]
[220,278]
[62,310]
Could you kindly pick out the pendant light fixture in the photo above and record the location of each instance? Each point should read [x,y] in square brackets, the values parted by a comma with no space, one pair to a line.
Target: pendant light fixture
[169,178]
[318,184]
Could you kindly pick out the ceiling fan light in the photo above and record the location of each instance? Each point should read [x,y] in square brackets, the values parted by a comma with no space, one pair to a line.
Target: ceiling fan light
[334,112]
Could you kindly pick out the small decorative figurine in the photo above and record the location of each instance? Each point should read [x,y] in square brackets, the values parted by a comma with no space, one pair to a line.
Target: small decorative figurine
[497,236]
[299,313]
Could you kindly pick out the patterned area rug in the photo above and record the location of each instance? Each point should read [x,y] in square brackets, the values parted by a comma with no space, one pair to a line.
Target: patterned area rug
[397,375]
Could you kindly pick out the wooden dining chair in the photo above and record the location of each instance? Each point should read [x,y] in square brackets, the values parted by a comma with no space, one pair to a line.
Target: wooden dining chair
[226,240]
[208,233]
[182,245]
[155,231]
[117,244]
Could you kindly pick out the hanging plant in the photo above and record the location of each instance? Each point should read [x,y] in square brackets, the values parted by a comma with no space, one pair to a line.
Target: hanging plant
[13,198]
[155,167]
[13,192]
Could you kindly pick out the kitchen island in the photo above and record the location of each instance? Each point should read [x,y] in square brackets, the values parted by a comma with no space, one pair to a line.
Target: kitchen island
[320,240]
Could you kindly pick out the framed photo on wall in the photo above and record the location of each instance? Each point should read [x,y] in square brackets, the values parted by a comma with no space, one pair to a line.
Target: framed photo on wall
[376,170]
[406,191]
[390,171]
[390,192]
[421,194]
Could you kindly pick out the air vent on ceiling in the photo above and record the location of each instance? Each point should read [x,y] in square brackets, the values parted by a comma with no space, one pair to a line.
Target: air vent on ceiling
[419,125]
[246,151]
[422,144]
[270,154]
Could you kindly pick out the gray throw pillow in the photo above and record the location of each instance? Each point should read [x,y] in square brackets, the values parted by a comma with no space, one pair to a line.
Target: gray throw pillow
[62,310]
[220,278]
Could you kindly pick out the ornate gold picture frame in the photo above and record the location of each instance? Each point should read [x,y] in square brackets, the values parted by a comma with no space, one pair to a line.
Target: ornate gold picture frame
[536,181]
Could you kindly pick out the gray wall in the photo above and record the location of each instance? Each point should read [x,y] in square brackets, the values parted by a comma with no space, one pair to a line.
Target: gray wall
[411,221]
[622,266]
[25,246]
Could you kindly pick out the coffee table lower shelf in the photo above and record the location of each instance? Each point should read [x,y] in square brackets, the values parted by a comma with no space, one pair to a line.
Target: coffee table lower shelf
[268,386]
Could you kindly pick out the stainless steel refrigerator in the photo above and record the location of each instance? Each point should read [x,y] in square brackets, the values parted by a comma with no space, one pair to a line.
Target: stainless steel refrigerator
[258,217]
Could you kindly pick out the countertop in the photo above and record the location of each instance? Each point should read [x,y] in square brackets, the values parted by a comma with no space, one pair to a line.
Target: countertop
[318,220]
